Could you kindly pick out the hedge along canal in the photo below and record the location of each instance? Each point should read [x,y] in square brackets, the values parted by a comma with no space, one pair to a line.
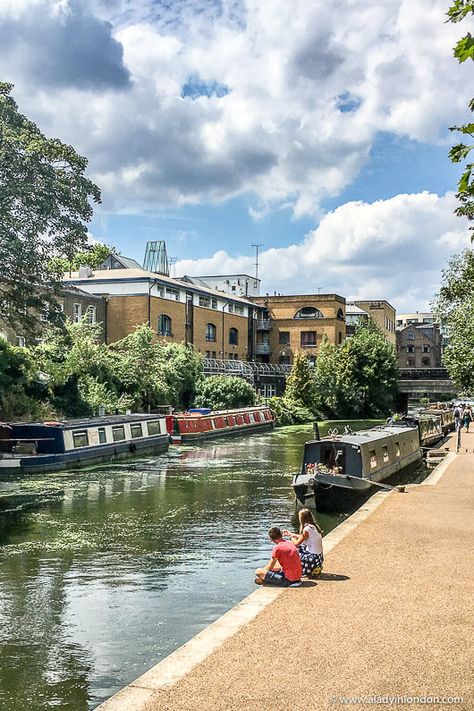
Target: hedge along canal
[134,561]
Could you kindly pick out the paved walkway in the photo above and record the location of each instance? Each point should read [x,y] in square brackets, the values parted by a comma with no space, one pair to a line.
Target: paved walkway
[395,620]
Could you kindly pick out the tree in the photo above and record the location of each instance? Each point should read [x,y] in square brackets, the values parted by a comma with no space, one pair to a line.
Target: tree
[357,378]
[454,306]
[464,50]
[224,392]
[45,201]
[300,386]
[92,257]
[21,393]
[458,355]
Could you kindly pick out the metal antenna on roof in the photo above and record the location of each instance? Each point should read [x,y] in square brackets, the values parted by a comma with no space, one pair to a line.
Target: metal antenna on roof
[256,257]
[172,262]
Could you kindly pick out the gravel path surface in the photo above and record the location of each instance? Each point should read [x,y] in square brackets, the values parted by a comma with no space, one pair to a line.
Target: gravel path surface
[391,616]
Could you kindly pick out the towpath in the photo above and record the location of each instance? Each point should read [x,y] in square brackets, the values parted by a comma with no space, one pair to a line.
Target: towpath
[392,617]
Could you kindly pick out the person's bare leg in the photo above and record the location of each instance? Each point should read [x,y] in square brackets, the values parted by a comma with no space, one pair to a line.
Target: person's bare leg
[260,575]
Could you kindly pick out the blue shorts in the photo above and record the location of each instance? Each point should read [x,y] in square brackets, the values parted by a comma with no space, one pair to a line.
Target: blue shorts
[277,578]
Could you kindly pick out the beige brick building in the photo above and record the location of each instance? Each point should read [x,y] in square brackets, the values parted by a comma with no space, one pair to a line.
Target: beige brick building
[217,324]
[288,324]
[383,314]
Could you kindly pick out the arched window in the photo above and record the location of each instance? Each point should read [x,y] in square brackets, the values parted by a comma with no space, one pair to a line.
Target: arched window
[309,312]
[164,325]
[340,314]
[211,332]
[233,337]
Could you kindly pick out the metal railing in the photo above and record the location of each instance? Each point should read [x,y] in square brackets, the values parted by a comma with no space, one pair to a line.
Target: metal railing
[249,370]
[264,324]
[263,349]
[423,374]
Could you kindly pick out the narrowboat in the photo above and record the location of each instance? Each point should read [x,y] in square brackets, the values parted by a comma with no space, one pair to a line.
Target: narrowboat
[430,426]
[201,423]
[446,416]
[354,461]
[30,448]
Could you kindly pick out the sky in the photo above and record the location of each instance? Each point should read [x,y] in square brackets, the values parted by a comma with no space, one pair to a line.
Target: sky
[318,130]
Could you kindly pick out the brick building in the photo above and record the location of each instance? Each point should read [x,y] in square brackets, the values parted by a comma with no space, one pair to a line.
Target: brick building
[217,324]
[74,303]
[287,324]
[419,346]
[383,314]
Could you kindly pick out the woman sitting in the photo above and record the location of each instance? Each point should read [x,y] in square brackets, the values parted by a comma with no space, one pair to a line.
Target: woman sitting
[309,542]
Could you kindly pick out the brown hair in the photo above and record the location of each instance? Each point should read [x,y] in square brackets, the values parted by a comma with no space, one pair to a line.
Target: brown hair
[305,516]
[275,533]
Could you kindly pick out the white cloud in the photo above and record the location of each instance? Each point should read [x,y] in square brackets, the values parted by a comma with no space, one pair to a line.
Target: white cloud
[115,91]
[391,249]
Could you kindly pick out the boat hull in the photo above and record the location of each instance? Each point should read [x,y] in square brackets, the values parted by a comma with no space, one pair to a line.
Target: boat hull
[40,464]
[188,437]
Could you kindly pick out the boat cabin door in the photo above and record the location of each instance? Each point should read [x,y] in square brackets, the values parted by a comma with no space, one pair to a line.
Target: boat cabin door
[334,456]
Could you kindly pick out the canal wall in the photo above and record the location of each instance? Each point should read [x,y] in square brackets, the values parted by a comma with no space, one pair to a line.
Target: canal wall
[389,616]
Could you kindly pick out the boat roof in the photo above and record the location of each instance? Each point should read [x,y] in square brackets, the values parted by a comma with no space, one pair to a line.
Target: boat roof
[364,436]
[90,421]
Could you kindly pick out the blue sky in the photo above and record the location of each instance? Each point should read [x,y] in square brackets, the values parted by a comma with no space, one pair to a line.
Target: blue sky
[319,130]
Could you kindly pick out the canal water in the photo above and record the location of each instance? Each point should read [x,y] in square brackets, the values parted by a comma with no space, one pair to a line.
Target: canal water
[128,562]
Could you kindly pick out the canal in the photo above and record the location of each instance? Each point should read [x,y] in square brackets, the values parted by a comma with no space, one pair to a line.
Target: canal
[130,561]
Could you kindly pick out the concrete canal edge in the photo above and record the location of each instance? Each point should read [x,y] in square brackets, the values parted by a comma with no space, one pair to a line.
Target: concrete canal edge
[139,693]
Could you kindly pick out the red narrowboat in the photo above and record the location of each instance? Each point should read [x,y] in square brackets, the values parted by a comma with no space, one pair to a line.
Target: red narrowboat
[202,422]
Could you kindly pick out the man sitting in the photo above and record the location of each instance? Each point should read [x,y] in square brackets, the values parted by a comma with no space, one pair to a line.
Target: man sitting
[284,568]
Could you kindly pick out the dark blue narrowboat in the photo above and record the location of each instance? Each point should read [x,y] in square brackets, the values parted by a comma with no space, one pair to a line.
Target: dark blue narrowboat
[36,447]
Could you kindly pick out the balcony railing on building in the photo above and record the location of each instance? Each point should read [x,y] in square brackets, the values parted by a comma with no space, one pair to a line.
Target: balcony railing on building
[264,324]
[249,370]
[263,349]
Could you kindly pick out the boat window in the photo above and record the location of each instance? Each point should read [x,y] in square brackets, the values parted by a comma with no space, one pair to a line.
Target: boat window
[213,423]
[397,449]
[80,439]
[154,427]
[373,458]
[118,433]
[385,453]
[102,435]
[136,430]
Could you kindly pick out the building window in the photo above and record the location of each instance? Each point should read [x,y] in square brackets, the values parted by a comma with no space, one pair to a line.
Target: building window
[425,361]
[211,332]
[410,361]
[76,312]
[213,303]
[80,439]
[268,390]
[164,325]
[426,348]
[308,338]
[91,314]
[284,338]
[410,349]
[172,294]
[411,335]
[230,308]
[213,354]
[239,310]
[340,314]
[340,338]
[284,360]
[233,337]
[309,312]
[204,301]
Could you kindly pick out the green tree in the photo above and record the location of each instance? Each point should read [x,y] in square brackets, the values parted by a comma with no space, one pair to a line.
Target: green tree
[182,370]
[460,153]
[45,201]
[224,392]
[300,385]
[21,391]
[357,378]
[453,306]
[92,257]
[458,355]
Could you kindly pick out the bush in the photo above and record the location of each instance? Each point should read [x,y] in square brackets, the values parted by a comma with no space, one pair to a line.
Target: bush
[289,412]
[224,392]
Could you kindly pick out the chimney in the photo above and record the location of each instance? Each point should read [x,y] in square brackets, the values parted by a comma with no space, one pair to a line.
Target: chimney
[85,272]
